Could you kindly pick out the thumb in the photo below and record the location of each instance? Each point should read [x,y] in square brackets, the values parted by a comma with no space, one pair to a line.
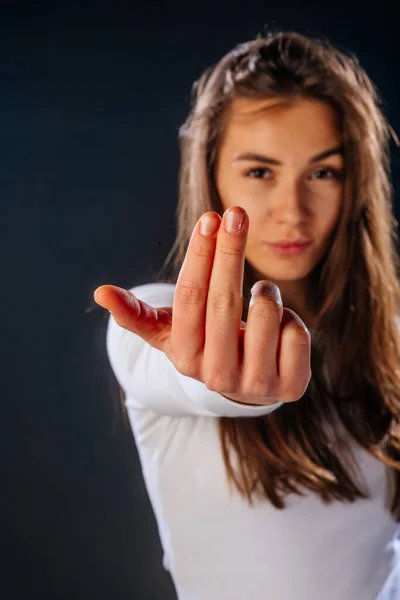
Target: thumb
[152,324]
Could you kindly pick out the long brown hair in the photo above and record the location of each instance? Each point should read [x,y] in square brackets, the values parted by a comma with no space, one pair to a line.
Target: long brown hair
[355,386]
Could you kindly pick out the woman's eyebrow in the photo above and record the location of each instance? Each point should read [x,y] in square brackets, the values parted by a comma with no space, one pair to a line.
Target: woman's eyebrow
[256,157]
[327,153]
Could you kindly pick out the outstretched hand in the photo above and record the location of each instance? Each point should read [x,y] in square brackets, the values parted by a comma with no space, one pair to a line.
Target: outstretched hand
[266,361]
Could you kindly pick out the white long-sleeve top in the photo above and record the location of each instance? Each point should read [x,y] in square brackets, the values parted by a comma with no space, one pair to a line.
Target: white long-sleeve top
[216,546]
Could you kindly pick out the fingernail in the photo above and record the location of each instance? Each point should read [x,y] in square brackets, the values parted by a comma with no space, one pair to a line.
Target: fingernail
[264,288]
[208,225]
[233,221]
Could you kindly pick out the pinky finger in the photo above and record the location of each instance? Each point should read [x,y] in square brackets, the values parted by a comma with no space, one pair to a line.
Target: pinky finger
[294,357]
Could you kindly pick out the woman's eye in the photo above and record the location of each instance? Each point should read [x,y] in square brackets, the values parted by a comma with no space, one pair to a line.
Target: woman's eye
[259,173]
[327,174]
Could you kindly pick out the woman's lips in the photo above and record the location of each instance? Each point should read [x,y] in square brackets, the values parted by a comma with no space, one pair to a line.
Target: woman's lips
[288,249]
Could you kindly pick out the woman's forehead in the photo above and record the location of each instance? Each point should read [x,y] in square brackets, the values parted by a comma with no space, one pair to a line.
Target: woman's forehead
[282,124]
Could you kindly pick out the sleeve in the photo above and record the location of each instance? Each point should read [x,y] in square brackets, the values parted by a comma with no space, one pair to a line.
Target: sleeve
[150,380]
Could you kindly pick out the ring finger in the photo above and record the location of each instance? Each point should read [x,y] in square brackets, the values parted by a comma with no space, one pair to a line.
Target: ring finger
[261,339]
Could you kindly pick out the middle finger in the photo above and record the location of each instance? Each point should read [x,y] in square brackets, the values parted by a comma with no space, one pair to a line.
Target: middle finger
[225,299]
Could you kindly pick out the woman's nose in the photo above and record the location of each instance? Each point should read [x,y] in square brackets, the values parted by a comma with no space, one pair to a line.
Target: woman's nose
[287,203]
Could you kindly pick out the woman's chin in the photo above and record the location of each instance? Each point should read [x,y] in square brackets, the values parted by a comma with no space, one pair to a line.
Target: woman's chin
[285,272]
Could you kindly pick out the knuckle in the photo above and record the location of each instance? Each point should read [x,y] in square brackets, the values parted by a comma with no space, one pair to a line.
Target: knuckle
[260,385]
[292,398]
[222,301]
[230,253]
[189,294]
[287,397]
[213,385]
[291,393]
[185,365]
[220,380]
[294,327]
[201,249]
[298,335]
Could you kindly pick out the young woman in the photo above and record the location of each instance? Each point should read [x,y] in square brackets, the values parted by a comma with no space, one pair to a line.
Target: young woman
[263,386]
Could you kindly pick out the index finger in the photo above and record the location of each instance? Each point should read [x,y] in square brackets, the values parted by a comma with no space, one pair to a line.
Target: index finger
[190,298]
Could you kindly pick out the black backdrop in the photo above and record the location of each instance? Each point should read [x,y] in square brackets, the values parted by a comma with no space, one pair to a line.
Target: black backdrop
[90,104]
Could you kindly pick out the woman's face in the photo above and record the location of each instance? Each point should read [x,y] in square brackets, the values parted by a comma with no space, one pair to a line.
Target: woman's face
[282,161]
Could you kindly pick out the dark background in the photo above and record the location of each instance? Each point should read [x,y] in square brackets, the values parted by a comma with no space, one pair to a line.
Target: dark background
[90,104]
